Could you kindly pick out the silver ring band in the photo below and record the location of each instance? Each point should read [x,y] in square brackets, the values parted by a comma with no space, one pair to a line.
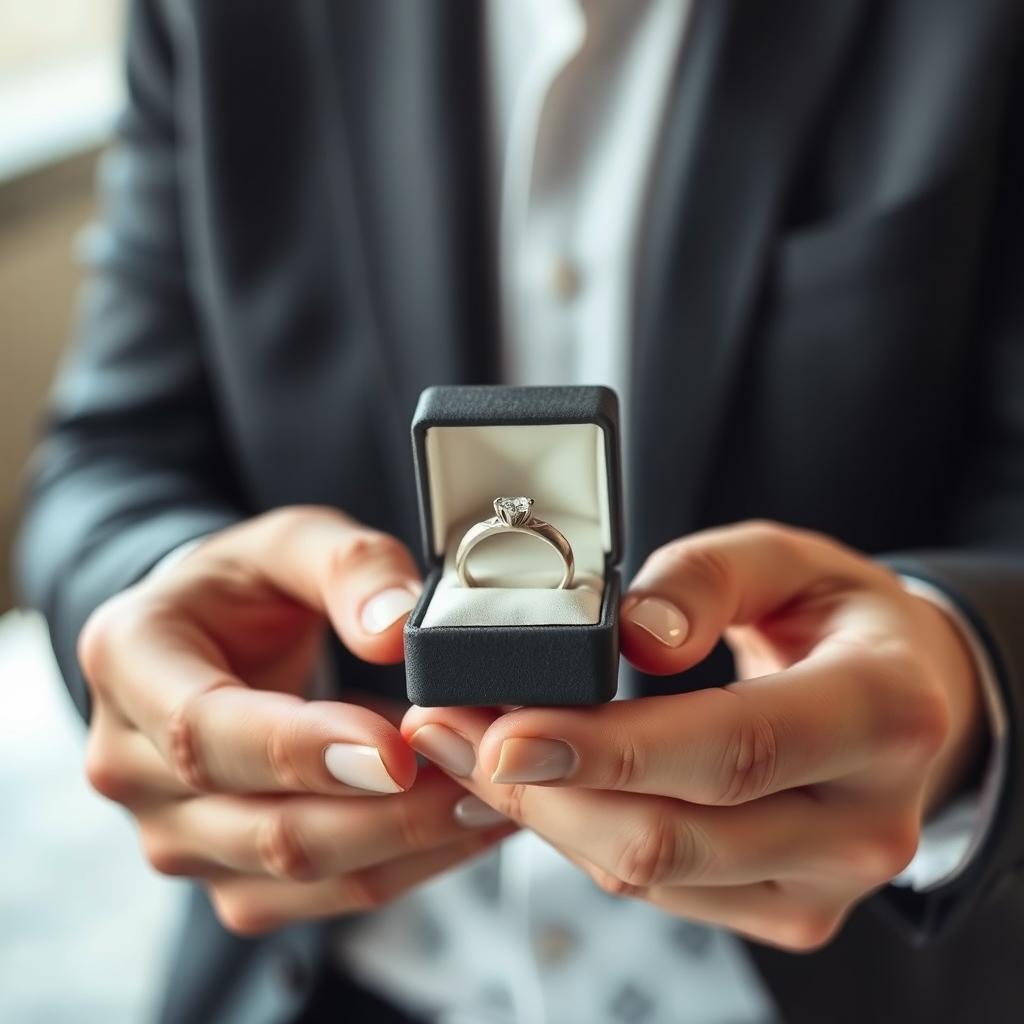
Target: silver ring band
[514,516]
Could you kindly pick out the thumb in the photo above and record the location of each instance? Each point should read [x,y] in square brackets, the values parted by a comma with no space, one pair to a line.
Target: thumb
[690,591]
[366,582]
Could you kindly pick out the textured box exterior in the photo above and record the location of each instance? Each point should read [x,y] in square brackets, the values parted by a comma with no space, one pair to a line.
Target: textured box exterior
[520,665]
[491,665]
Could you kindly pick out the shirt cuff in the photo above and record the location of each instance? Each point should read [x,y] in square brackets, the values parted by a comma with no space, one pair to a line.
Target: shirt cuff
[950,840]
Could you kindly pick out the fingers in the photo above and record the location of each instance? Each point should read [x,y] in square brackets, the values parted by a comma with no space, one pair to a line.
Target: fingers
[831,716]
[254,905]
[303,838]
[450,737]
[152,658]
[639,843]
[238,740]
[124,766]
[364,581]
[216,734]
[643,841]
[688,592]
[795,918]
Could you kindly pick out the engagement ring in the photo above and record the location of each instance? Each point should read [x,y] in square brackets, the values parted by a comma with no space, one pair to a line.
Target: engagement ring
[513,515]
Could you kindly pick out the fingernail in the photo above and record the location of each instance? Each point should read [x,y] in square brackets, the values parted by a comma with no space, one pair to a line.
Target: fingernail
[664,621]
[359,766]
[386,608]
[446,748]
[534,760]
[472,812]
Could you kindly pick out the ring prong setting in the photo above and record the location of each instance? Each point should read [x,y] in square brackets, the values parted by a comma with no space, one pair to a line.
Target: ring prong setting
[514,511]
[514,514]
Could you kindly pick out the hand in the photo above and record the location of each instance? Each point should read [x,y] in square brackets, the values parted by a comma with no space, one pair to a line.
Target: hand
[770,806]
[286,809]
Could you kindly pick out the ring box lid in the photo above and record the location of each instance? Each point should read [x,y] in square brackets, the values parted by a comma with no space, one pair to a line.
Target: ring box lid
[474,443]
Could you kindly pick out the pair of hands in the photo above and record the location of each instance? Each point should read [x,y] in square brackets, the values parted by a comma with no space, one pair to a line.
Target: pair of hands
[769,807]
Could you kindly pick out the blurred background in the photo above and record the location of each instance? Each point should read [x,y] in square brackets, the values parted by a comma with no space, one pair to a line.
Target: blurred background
[85,926]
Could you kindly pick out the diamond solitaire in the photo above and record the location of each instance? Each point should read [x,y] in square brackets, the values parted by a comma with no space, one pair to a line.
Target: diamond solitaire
[513,511]
[514,515]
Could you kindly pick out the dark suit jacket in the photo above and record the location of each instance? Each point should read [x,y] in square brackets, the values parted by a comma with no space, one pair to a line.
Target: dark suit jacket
[829,331]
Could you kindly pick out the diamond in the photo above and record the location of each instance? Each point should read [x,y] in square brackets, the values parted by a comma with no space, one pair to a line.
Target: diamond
[513,511]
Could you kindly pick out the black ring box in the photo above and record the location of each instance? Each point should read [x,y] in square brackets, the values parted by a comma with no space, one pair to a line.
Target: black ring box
[526,644]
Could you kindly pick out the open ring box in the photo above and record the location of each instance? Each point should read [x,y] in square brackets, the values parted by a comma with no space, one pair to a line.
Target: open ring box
[515,638]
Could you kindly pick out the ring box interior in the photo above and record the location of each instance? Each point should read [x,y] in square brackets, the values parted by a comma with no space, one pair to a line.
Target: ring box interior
[516,638]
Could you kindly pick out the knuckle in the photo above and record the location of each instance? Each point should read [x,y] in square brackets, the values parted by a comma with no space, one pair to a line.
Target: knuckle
[807,930]
[99,638]
[626,763]
[279,525]
[185,748]
[278,520]
[696,561]
[786,542]
[106,776]
[899,667]
[360,892]
[280,848]
[880,857]
[511,802]
[161,854]
[662,850]
[790,545]
[931,722]
[416,831]
[245,918]
[93,642]
[768,531]
[364,547]
[280,742]
[916,716]
[221,574]
[749,761]
[184,744]
[613,885]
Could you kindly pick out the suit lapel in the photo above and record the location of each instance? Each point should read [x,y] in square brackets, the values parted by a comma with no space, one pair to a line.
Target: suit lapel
[750,85]
[410,86]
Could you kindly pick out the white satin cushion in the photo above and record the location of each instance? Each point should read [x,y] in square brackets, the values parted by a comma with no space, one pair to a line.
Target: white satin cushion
[562,467]
[519,575]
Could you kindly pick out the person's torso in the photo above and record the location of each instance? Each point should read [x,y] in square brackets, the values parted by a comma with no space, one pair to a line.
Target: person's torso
[806,286]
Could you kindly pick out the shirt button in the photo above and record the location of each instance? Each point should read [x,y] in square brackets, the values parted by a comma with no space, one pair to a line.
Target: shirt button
[554,944]
[565,279]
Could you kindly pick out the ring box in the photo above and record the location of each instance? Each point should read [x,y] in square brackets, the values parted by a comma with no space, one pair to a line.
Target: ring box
[516,638]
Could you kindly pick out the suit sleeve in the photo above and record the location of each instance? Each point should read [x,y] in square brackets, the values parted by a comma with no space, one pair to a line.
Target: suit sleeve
[982,571]
[132,461]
